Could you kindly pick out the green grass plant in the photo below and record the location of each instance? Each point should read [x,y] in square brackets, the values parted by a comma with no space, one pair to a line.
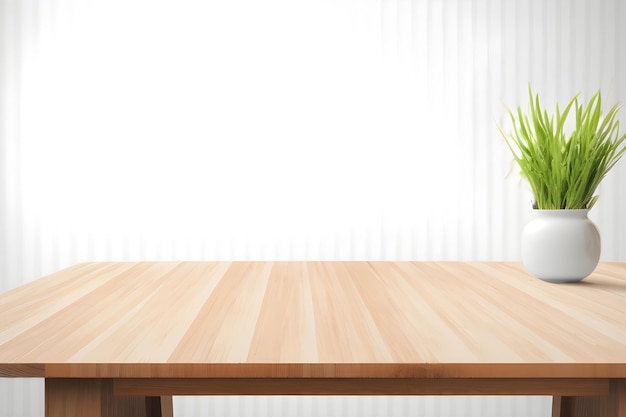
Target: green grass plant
[563,171]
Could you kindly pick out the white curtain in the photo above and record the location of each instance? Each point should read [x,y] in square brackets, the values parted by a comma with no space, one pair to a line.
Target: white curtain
[284,129]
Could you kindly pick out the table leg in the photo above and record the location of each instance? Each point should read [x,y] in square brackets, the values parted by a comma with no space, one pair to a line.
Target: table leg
[613,405]
[94,398]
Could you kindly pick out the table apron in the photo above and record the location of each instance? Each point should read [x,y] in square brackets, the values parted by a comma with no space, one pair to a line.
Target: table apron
[579,387]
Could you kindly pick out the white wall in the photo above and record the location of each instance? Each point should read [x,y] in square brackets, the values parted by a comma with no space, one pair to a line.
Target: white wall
[284,129]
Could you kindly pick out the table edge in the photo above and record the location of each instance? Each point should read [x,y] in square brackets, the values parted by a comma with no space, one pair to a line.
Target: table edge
[317,370]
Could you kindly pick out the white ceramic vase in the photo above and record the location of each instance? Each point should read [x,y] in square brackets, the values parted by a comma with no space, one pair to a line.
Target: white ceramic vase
[560,245]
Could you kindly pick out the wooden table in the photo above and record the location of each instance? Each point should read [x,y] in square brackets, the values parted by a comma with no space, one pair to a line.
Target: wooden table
[120,338]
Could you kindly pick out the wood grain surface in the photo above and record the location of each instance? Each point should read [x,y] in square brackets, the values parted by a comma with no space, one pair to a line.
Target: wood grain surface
[579,387]
[314,319]
[95,398]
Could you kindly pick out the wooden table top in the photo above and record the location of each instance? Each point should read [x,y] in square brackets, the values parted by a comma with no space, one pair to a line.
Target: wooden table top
[314,319]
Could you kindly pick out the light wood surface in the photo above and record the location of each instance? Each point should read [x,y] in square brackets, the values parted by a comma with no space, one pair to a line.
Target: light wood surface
[314,319]
[120,338]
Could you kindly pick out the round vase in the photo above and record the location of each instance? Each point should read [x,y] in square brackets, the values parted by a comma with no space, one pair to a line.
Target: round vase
[560,245]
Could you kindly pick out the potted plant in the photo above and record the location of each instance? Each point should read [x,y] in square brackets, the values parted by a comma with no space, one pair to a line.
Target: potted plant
[563,170]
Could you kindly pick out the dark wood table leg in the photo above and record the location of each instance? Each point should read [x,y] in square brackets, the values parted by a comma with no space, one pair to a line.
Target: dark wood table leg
[614,405]
[94,398]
